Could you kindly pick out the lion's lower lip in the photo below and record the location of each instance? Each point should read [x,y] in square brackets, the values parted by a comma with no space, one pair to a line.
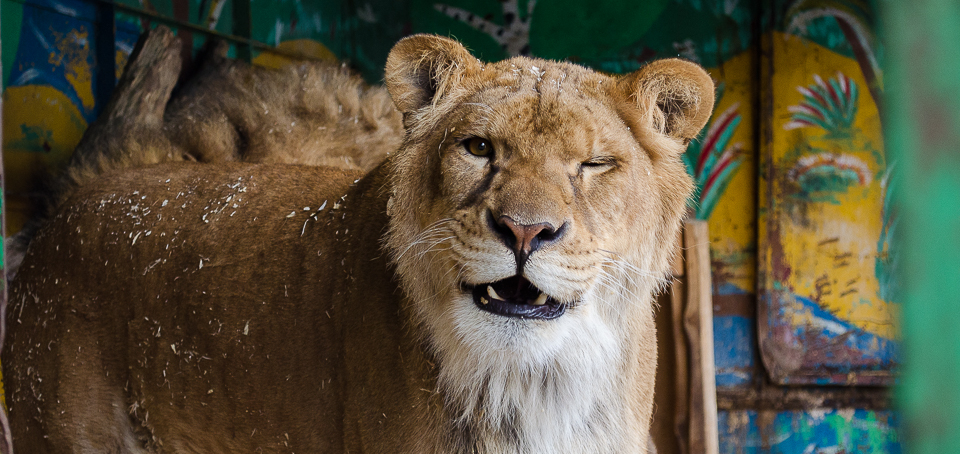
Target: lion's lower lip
[516,297]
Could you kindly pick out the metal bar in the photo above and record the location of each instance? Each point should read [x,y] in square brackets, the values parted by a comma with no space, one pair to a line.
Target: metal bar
[105,52]
[181,12]
[923,106]
[152,16]
[242,27]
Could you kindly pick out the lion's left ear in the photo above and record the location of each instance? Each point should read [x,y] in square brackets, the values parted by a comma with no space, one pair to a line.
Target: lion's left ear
[422,68]
[677,94]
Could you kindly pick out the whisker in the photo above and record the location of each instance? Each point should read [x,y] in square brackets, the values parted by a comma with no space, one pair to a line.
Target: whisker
[626,266]
[617,287]
[435,229]
[433,245]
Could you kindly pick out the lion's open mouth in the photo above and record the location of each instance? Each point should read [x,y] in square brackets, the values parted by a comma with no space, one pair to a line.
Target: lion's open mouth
[516,297]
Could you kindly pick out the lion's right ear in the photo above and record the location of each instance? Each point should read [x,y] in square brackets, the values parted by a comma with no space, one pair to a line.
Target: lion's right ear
[422,68]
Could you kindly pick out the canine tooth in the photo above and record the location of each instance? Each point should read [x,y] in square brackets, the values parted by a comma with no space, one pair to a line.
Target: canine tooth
[493,293]
[541,300]
[483,300]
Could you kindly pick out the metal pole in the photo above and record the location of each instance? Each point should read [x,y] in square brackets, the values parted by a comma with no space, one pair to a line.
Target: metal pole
[105,51]
[154,17]
[242,27]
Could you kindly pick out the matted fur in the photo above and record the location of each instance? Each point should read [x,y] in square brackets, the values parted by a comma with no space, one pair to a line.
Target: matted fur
[313,310]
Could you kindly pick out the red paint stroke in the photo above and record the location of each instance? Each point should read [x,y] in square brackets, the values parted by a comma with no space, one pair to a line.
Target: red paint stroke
[813,112]
[816,95]
[712,141]
[833,94]
[717,170]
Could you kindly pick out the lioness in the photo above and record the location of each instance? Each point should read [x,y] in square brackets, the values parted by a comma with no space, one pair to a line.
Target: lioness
[487,289]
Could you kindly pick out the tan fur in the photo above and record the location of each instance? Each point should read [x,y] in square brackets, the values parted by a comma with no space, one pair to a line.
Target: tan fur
[311,113]
[308,113]
[253,307]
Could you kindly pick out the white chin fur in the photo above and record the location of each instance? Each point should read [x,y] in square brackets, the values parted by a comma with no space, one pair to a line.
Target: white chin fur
[531,373]
[517,386]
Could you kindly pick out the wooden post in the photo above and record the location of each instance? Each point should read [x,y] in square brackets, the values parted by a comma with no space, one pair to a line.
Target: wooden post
[698,323]
[682,357]
[682,429]
[670,393]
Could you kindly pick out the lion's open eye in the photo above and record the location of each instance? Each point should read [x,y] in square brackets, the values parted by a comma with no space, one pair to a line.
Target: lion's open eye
[478,147]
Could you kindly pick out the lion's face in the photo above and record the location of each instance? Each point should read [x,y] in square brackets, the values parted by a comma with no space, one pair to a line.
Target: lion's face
[533,208]
[533,175]
[529,188]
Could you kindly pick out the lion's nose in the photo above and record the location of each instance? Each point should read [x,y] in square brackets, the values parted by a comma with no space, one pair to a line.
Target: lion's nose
[524,239]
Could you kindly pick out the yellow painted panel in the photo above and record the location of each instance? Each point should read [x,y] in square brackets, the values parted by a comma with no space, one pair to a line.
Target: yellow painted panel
[72,53]
[733,235]
[41,127]
[830,187]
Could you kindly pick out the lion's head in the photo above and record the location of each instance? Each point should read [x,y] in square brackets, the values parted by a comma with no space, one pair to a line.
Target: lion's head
[534,206]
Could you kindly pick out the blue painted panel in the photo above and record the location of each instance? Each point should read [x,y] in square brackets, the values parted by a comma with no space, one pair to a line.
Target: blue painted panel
[734,336]
[55,49]
[739,432]
[833,348]
[734,349]
[824,431]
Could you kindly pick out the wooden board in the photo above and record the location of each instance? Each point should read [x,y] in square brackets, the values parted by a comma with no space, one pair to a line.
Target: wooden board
[827,314]
[698,326]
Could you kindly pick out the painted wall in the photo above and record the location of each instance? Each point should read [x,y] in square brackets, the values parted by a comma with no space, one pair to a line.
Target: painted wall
[791,169]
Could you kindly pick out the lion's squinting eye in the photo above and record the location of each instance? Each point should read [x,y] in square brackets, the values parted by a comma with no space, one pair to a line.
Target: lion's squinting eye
[478,146]
[599,163]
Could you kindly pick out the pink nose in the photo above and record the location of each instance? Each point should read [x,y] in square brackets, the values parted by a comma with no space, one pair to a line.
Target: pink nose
[525,239]
[525,236]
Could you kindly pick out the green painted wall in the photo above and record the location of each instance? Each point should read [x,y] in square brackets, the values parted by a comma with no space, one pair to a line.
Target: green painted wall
[924,39]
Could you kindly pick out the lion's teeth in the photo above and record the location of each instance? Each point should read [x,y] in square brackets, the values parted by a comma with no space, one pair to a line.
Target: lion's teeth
[541,300]
[483,300]
[493,293]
